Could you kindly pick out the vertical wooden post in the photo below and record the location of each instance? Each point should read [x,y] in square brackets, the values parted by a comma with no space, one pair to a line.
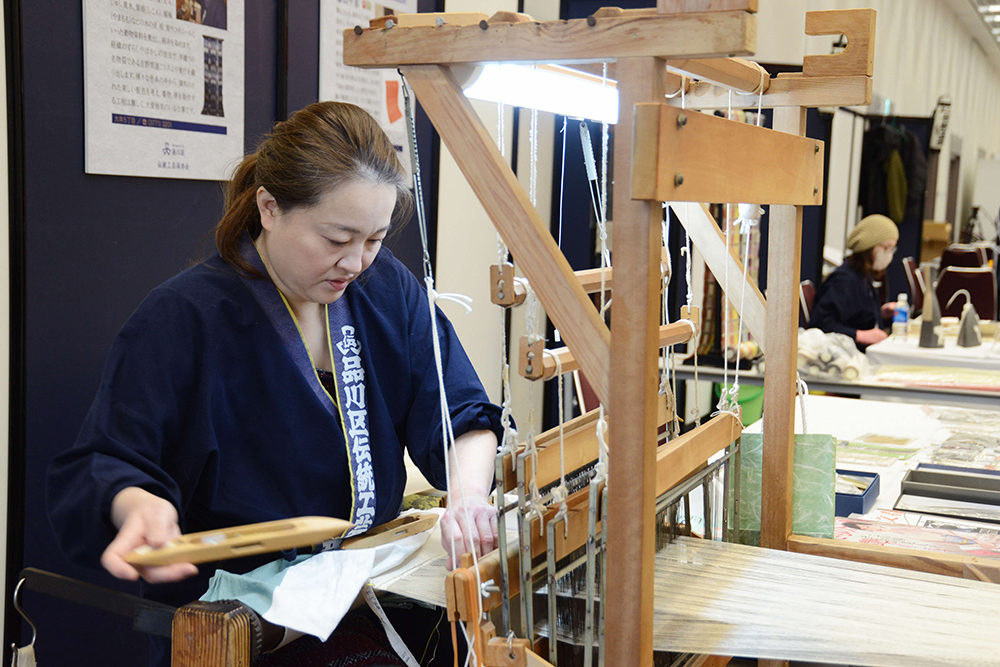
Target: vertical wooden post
[784,251]
[634,339]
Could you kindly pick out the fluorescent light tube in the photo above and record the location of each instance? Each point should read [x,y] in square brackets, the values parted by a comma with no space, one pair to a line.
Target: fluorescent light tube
[548,88]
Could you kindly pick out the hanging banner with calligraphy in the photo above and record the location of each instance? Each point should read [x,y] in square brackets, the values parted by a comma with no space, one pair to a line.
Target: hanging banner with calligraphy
[163,87]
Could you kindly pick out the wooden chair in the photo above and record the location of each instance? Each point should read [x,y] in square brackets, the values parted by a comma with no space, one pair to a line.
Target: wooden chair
[807,297]
[962,254]
[915,280]
[980,283]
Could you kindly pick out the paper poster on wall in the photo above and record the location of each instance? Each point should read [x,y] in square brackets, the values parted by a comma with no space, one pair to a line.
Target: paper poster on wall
[377,91]
[163,87]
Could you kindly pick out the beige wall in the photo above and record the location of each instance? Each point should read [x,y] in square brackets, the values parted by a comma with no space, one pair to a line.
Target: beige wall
[923,49]
[467,242]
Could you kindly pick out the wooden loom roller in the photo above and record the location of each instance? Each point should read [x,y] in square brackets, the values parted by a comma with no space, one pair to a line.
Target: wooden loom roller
[505,289]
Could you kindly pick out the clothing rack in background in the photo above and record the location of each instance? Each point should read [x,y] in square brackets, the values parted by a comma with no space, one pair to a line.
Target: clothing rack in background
[910,201]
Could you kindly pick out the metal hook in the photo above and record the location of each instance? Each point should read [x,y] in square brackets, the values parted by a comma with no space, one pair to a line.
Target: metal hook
[17,606]
[964,292]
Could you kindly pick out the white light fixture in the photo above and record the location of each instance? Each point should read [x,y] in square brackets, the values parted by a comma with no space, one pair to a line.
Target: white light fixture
[560,90]
[991,18]
[989,9]
[996,31]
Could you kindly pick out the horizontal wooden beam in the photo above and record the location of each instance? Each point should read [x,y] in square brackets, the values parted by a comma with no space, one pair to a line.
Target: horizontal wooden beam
[689,156]
[666,36]
[952,565]
[677,6]
[787,90]
[711,243]
[735,73]
[590,279]
[581,448]
[683,455]
[542,365]
[517,221]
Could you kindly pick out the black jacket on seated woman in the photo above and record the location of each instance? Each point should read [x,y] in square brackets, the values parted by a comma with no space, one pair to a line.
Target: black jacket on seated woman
[846,302]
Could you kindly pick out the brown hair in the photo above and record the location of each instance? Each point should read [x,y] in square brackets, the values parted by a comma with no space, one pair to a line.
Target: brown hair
[317,149]
[863,264]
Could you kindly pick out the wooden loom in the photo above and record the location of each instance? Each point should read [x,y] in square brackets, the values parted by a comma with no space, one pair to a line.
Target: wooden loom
[673,156]
[683,37]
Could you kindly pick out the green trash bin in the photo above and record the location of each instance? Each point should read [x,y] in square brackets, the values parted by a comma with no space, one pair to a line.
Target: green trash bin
[750,399]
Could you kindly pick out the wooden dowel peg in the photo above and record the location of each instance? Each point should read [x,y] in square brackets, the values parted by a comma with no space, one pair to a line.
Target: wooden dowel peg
[693,314]
[530,357]
[505,289]
[537,363]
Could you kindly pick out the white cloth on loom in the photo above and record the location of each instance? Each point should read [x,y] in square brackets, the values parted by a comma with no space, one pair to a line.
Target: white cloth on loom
[313,593]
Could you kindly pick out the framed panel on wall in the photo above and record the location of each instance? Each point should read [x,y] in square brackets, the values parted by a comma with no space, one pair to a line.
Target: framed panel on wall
[163,87]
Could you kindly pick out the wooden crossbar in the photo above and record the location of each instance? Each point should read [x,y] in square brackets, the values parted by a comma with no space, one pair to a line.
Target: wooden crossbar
[554,42]
[735,73]
[679,6]
[952,565]
[695,157]
[785,91]
[678,458]
[543,363]
[590,279]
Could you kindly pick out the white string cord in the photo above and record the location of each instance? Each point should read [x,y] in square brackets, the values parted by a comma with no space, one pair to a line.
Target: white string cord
[448,436]
[760,93]
[749,215]
[726,395]
[688,252]
[562,182]
[560,493]
[802,390]
[502,251]
[508,443]
[603,217]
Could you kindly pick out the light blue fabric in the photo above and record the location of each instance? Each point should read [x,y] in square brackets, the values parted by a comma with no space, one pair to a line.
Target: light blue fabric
[255,589]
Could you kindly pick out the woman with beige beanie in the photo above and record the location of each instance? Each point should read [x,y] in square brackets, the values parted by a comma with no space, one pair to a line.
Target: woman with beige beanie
[846,302]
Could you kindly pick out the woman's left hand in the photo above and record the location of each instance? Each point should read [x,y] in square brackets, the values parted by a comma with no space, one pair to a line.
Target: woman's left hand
[888,309]
[472,523]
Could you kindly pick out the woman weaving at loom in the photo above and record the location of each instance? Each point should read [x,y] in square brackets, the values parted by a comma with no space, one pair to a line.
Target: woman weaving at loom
[846,302]
[282,377]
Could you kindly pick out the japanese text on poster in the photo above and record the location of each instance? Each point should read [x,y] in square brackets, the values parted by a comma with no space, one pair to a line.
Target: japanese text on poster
[163,86]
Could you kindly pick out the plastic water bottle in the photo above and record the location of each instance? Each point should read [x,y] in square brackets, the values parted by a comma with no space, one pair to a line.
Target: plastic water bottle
[901,318]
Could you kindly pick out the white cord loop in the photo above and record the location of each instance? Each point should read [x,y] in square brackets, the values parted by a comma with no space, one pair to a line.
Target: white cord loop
[802,390]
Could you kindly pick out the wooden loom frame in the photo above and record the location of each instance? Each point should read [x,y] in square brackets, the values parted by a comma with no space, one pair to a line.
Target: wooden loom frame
[642,167]
[699,44]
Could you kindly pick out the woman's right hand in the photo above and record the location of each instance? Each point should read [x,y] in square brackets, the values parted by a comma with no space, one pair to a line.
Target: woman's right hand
[870,336]
[143,518]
